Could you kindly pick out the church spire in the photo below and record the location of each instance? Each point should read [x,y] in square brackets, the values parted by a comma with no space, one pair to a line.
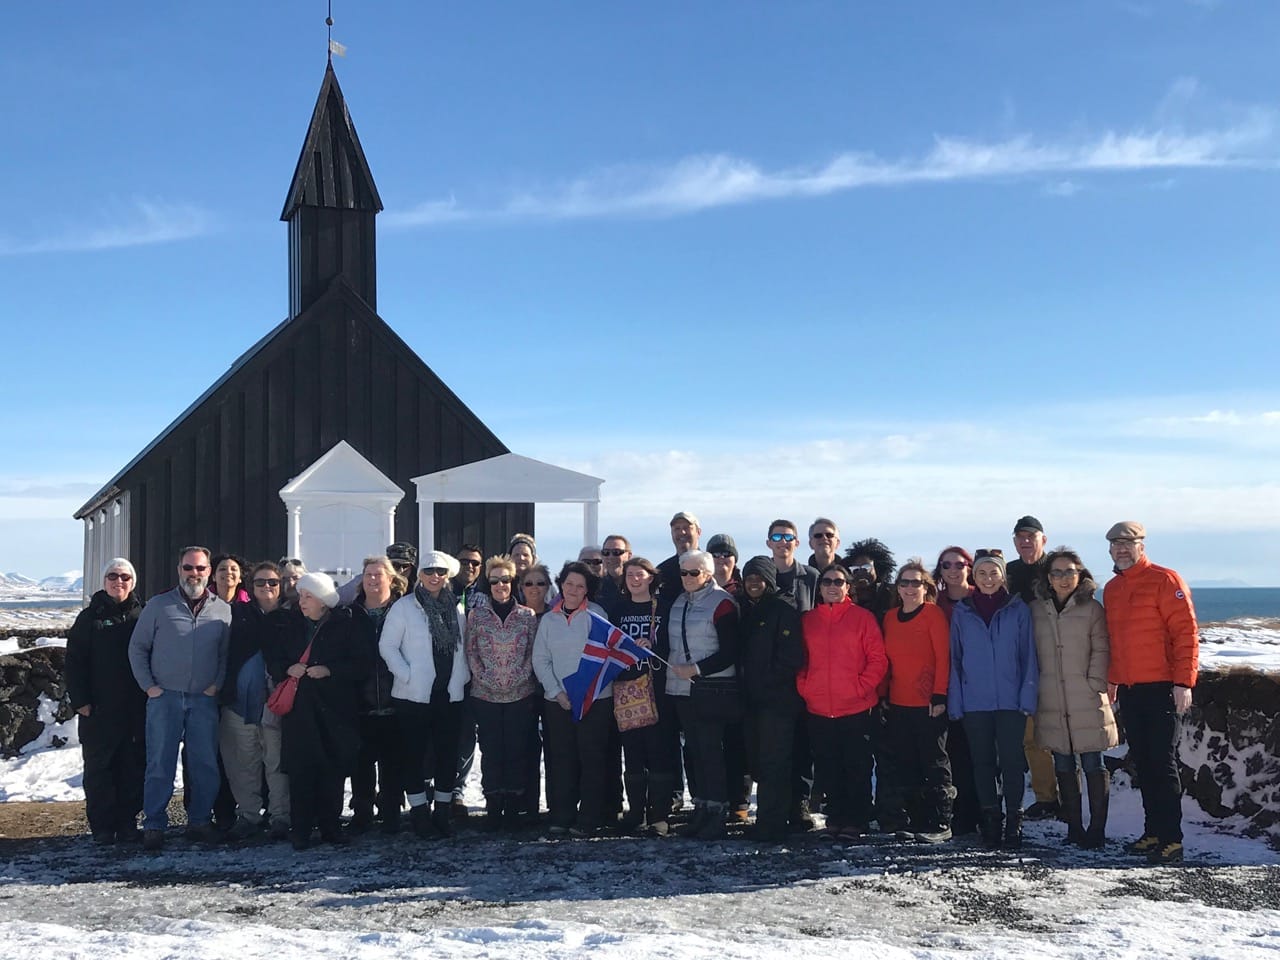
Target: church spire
[331,206]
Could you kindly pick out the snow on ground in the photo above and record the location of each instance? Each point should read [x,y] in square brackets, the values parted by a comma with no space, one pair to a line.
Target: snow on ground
[1244,642]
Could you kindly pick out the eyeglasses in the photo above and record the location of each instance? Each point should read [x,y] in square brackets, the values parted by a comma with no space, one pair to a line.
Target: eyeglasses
[469,563]
[833,582]
[724,555]
[435,571]
[1067,574]
[862,566]
[954,564]
[911,584]
[593,562]
[531,584]
[612,552]
[494,581]
[993,552]
[1124,541]
[782,538]
[822,535]
[195,568]
[289,562]
[265,582]
[691,573]
[404,564]
[122,577]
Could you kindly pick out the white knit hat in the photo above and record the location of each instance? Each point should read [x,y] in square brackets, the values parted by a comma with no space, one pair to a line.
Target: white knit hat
[320,586]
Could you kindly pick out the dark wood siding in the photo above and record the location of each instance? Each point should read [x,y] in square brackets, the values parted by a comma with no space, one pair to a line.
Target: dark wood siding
[336,372]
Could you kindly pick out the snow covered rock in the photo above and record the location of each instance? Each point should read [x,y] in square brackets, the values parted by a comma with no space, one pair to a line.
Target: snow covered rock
[31,680]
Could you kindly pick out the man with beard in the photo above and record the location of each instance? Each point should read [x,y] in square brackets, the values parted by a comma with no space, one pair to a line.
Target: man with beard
[466,585]
[178,654]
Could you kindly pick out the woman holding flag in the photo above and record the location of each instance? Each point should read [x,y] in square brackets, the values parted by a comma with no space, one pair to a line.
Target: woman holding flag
[577,733]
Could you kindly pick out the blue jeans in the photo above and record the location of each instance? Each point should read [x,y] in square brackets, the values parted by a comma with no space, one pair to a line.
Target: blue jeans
[1090,762]
[995,742]
[173,718]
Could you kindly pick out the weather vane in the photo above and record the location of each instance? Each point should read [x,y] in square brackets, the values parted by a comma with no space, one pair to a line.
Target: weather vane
[334,45]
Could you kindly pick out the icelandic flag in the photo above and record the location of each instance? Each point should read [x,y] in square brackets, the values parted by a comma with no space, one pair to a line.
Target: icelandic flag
[608,652]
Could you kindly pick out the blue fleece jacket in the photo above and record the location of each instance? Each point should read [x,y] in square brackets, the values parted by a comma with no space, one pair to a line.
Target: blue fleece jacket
[992,667]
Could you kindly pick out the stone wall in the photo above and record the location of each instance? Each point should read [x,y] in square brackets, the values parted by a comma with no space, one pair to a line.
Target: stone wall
[24,676]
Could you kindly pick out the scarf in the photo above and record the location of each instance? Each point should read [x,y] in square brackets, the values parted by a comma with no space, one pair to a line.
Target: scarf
[986,606]
[442,617]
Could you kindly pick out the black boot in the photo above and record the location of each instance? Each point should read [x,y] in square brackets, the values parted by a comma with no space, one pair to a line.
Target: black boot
[361,819]
[992,824]
[1013,829]
[1069,806]
[633,816]
[420,821]
[1099,784]
[442,816]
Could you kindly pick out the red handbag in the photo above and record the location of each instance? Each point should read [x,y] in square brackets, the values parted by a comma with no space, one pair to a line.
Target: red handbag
[281,700]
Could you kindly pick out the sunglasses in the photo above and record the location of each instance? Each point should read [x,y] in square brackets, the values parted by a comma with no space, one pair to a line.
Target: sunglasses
[992,552]
[862,566]
[470,563]
[194,568]
[494,581]
[833,582]
[1064,574]
[612,552]
[290,561]
[823,535]
[954,564]
[782,538]
[266,582]
[722,555]
[122,577]
[593,562]
[435,571]
[402,564]
[691,573]
[912,584]
[530,584]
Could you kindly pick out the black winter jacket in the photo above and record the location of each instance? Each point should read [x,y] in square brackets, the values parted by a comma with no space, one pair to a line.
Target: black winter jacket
[97,667]
[771,651]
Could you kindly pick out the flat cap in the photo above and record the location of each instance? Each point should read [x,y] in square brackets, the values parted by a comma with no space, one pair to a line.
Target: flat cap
[1127,530]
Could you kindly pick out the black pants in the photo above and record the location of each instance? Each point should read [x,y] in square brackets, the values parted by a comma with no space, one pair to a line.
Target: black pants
[435,723]
[1151,724]
[377,771]
[531,798]
[842,762]
[315,798]
[704,743]
[918,744]
[801,764]
[995,742]
[890,804]
[966,812]
[578,764]
[115,761]
[647,772]
[737,768]
[504,733]
[770,743]
[467,733]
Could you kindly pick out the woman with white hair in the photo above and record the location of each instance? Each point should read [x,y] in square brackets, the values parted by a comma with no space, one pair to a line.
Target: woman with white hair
[703,636]
[111,706]
[321,733]
[421,643]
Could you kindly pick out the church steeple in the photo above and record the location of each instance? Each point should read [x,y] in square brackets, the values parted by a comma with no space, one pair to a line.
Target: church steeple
[331,207]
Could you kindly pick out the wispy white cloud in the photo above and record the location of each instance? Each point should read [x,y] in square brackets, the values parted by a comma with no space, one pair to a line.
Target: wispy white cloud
[708,181]
[133,223]
[1061,188]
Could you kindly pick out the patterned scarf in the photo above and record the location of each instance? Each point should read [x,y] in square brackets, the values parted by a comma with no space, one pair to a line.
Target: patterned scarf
[442,617]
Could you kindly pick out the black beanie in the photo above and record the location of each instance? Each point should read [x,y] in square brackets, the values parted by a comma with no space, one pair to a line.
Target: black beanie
[762,567]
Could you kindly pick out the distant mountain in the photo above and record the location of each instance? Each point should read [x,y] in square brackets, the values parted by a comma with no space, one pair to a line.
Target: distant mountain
[1217,584]
[18,585]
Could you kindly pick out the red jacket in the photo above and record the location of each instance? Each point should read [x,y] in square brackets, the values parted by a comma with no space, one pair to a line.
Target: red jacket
[1152,623]
[845,660]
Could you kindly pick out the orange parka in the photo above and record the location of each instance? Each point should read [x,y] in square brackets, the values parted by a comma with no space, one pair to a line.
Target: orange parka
[1154,637]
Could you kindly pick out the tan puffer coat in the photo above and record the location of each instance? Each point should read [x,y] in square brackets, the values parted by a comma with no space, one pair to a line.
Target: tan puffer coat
[1073,714]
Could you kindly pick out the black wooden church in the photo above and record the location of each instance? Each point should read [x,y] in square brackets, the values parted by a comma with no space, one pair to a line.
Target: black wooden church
[332,371]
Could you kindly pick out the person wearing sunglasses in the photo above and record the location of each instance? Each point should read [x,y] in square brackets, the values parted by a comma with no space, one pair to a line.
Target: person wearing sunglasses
[178,654]
[951,574]
[616,551]
[686,534]
[870,564]
[111,708]
[824,541]
[917,641]
[499,649]
[248,734]
[995,678]
[1073,715]
[469,585]
[421,643]
[403,558]
[534,587]
[796,580]
[376,776]
[703,637]
[844,665]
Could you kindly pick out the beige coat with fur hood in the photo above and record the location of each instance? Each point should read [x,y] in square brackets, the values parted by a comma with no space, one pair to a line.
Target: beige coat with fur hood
[1073,714]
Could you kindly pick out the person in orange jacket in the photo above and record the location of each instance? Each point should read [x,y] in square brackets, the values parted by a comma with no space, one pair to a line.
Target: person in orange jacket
[1155,652]
[845,663]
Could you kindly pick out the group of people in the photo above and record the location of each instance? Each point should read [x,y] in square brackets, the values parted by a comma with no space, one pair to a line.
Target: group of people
[910,699]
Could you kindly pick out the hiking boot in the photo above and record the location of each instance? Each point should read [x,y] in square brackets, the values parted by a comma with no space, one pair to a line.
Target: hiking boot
[243,829]
[934,835]
[1170,852]
[1069,791]
[1042,810]
[1099,784]
[152,840]
[202,833]
[1142,846]
[992,826]
[713,826]
[442,819]
[420,820]
[361,821]
[279,829]
[1012,830]
[104,838]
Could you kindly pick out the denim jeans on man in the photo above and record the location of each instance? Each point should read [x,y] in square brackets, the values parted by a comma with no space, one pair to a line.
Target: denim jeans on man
[175,717]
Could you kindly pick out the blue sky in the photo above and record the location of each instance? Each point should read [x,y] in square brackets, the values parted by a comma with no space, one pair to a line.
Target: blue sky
[920,267]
